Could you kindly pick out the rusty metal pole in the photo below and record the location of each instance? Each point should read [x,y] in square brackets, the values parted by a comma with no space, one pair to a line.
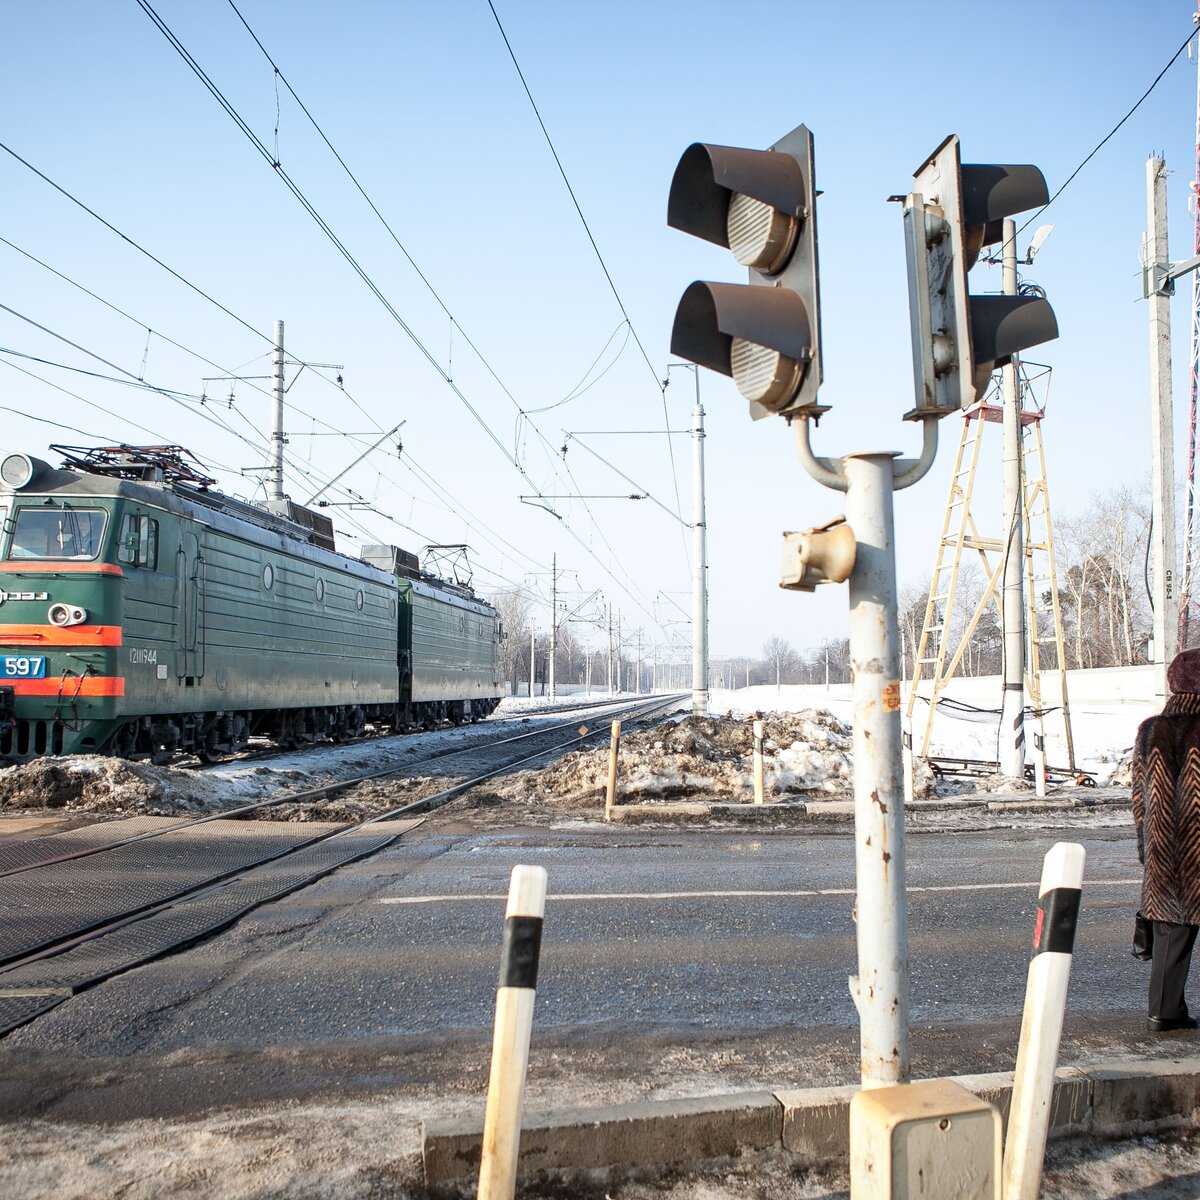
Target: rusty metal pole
[880,988]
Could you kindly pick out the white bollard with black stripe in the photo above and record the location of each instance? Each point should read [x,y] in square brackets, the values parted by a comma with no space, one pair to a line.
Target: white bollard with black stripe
[1041,1025]
[514,1024]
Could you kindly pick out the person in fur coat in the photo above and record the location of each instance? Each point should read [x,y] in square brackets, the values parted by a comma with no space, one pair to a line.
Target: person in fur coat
[1166,811]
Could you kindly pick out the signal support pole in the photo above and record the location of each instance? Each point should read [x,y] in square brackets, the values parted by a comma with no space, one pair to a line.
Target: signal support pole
[1012,709]
[880,989]
[1162,443]
[699,568]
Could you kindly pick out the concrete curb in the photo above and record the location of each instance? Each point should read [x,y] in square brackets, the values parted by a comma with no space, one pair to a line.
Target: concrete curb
[842,811]
[811,1123]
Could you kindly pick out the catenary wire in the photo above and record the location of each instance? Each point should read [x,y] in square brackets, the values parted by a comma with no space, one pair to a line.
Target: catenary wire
[522,414]
[82,399]
[599,256]
[325,228]
[125,238]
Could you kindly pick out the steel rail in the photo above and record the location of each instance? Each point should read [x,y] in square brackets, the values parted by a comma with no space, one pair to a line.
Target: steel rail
[366,741]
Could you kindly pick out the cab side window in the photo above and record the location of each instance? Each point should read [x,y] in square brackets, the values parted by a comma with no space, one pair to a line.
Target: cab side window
[138,544]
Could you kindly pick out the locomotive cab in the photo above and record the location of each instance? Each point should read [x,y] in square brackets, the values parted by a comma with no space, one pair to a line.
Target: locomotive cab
[60,611]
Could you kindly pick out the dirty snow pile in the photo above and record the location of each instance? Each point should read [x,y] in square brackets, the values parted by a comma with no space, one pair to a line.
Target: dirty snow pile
[805,754]
[91,783]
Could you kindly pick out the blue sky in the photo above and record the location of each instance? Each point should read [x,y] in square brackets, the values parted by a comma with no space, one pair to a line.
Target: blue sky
[424,104]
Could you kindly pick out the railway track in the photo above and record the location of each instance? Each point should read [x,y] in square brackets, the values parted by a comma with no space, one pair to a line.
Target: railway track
[81,907]
[266,753]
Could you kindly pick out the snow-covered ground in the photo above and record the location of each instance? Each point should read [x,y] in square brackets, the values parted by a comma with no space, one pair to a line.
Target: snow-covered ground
[806,754]
[1103,721]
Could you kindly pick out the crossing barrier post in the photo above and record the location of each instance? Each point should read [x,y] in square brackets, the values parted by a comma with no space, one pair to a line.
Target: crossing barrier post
[1042,1022]
[514,1024]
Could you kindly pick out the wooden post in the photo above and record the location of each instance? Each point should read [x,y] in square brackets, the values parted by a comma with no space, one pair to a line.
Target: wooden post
[758,762]
[614,747]
[514,1024]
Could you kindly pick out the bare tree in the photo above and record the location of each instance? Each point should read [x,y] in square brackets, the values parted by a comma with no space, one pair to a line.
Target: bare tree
[514,608]
[1101,556]
[780,657]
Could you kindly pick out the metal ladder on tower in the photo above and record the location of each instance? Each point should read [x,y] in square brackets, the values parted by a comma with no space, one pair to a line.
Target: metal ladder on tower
[1043,614]
[958,533]
[934,659]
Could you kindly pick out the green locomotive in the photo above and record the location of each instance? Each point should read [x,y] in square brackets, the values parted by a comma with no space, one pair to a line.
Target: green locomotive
[144,615]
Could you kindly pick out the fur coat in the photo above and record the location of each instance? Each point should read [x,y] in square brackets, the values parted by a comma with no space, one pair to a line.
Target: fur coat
[1166,810]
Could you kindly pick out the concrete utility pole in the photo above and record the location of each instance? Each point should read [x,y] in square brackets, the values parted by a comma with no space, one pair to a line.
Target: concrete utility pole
[699,567]
[1162,443]
[1012,709]
[620,649]
[275,472]
[532,658]
[1189,516]
[553,625]
[610,651]
[638,686]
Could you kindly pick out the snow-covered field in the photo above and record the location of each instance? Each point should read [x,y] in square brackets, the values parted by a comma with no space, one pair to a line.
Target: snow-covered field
[1103,721]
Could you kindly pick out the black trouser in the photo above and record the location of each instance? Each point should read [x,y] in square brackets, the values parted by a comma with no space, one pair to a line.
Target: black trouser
[1169,970]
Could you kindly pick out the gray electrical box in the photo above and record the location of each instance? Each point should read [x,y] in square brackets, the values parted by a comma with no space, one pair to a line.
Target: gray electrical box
[924,1141]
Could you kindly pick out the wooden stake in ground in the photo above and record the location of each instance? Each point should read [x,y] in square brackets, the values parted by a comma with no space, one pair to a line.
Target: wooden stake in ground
[514,1024]
[614,747]
[758,762]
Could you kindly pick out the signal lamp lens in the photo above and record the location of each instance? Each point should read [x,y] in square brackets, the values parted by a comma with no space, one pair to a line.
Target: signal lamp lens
[764,375]
[760,236]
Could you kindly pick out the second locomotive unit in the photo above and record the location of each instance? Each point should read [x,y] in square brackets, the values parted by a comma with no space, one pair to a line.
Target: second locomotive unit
[144,615]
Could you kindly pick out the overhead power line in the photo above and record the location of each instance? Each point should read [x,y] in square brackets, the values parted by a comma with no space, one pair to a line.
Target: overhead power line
[453,505]
[1099,145]
[125,238]
[326,229]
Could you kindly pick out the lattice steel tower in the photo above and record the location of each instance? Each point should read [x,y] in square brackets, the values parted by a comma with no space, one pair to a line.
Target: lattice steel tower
[942,646]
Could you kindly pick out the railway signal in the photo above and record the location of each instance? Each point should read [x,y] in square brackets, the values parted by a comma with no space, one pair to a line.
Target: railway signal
[958,340]
[761,205]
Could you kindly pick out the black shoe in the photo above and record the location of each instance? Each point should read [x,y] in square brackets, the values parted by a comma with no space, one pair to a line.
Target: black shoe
[1166,1024]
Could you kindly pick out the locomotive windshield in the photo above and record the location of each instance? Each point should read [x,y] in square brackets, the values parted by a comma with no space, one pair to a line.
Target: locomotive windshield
[58,533]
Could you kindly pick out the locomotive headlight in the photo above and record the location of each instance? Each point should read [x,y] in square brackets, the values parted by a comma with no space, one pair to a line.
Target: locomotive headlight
[66,614]
[19,470]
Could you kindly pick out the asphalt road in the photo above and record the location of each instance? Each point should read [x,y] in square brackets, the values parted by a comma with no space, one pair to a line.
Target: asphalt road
[674,962]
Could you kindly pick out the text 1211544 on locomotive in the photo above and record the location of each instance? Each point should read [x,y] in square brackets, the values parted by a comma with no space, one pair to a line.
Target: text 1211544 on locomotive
[144,615]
